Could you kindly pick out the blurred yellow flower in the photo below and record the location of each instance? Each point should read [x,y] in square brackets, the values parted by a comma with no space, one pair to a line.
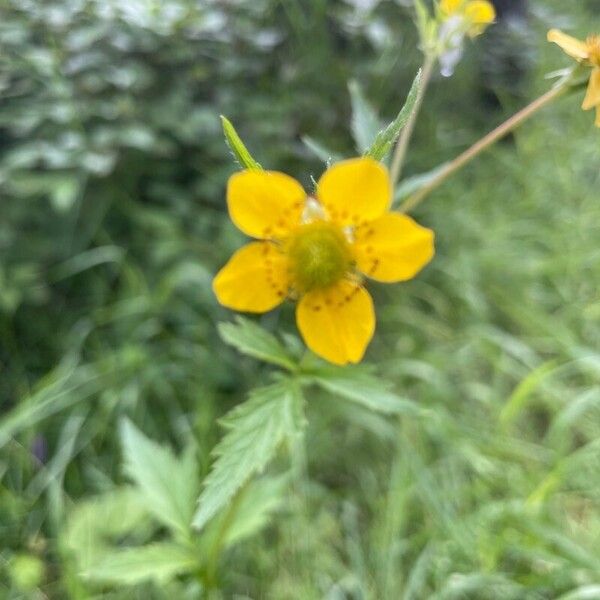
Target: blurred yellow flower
[587,53]
[477,14]
[319,249]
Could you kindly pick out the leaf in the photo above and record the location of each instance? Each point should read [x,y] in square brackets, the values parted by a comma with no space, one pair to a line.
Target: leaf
[237,147]
[251,339]
[54,469]
[525,390]
[479,585]
[417,576]
[386,137]
[160,562]
[92,523]
[257,504]
[413,184]
[255,430]
[62,187]
[320,151]
[87,260]
[248,514]
[365,123]
[67,384]
[360,386]
[169,484]
[585,592]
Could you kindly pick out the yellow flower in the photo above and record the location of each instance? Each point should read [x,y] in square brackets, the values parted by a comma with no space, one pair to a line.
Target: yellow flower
[477,14]
[318,250]
[588,54]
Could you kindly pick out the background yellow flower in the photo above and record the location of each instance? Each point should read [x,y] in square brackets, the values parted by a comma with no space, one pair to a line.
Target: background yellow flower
[477,13]
[587,53]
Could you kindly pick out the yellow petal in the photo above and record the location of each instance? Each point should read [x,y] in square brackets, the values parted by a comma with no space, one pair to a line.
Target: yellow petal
[480,12]
[254,280]
[392,248]
[337,323]
[354,191]
[592,97]
[449,7]
[265,204]
[572,46]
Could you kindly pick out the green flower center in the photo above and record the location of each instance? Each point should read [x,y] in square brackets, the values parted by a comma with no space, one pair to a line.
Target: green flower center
[319,254]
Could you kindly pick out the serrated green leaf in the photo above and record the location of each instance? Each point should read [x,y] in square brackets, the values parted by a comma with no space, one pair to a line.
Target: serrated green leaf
[255,430]
[359,385]
[385,138]
[251,339]
[170,485]
[159,562]
[237,147]
[365,123]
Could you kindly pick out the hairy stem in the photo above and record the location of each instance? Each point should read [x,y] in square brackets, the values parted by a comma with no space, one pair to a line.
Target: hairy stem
[483,144]
[406,134]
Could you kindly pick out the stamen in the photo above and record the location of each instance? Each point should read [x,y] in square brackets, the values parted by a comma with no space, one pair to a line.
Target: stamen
[313,211]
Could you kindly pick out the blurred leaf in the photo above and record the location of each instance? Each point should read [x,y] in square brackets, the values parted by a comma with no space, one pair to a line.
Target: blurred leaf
[320,151]
[255,430]
[169,484]
[93,522]
[249,513]
[525,390]
[386,138]
[479,585]
[559,432]
[258,503]
[160,562]
[251,339]
[62,187]
[417,576]
[359,385]
[54,470]
[365,123]
[87,260]
[585,592]
[237,147]
[413,184]
[67,384]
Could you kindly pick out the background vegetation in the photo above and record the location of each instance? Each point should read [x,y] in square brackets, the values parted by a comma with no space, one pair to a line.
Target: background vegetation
[112,224]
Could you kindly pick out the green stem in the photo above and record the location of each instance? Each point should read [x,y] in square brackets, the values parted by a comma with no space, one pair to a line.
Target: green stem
[303,545]
[405,136]
[483,144]
[214,554]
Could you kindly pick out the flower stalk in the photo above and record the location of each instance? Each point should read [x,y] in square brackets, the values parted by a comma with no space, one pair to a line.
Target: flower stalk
[483,144]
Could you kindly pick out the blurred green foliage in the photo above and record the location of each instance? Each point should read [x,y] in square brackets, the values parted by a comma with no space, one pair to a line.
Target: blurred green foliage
[112,223]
